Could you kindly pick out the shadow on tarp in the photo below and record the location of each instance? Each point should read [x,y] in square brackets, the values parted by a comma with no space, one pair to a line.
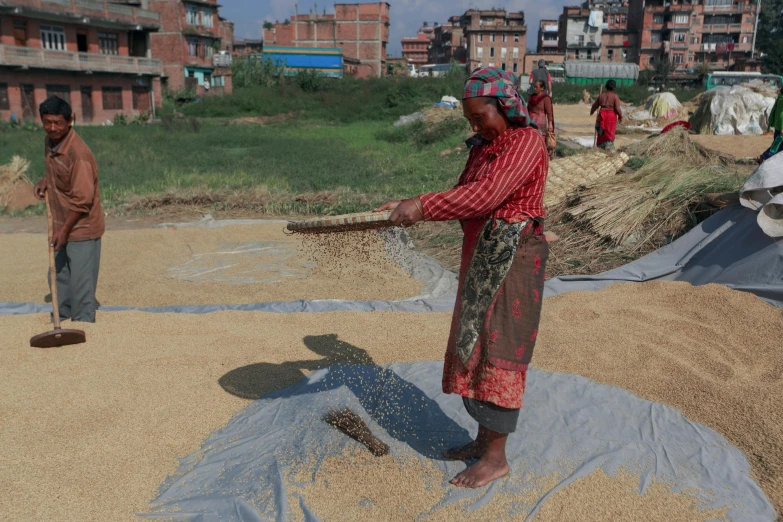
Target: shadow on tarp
[389,400]
[569,427]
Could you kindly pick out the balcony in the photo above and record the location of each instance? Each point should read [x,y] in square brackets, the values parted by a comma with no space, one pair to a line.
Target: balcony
[549,43]
[116,13]
[28,57]
[730,8]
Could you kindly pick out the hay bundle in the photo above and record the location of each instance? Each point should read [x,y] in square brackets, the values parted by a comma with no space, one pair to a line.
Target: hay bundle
[568,174]
[655,203]
[12,176]
[677,144]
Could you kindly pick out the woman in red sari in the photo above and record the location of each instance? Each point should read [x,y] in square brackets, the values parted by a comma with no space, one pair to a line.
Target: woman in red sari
[539,105]
[608,116]
[499,203]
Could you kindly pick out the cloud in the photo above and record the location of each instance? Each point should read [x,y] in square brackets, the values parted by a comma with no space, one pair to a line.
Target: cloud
[406,15]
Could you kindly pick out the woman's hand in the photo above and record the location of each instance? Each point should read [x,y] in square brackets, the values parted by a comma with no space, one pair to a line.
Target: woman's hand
[404,213]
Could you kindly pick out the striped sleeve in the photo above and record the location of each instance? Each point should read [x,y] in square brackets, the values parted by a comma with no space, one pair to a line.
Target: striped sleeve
[480,198]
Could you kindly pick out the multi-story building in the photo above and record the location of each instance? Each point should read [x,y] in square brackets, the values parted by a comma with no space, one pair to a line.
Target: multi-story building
[245,47]
[360,30]
[693,36]
[618,40]
[415,49]
[189,44]
[547,42]
[495,38]
[94,54]
[448,43]
[580,33]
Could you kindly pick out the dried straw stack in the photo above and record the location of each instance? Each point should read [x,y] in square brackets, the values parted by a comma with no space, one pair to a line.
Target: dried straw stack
[569,174]
[11,176]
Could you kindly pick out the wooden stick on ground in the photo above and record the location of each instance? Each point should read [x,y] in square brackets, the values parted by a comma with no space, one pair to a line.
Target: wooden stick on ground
[595,134]
[352,425]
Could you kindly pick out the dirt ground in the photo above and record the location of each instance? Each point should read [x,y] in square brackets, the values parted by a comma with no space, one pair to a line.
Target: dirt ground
[738,146]
[150,267]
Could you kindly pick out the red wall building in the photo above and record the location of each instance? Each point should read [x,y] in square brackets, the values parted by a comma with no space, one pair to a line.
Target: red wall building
[360,30]
[96,55]
[415,48]
[191,36]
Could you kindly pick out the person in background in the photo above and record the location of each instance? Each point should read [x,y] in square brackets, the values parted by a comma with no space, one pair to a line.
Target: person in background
[541,74]
[539,105]
[609,114]
[499,201]
[776,122]
[71,181]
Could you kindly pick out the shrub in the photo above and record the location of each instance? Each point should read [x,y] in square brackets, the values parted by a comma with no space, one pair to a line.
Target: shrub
[120,119]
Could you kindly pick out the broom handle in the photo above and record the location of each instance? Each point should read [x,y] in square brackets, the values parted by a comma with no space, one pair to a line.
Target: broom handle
[595,134]
[52,270]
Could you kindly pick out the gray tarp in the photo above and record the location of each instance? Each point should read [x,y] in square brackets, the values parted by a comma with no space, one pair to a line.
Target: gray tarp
[729,249]
[569,426]
[574,69]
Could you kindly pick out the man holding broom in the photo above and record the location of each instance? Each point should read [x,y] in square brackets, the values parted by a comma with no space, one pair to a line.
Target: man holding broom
[71,183]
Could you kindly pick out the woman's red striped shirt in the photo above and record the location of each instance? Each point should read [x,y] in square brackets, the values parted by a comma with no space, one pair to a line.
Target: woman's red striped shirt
[503,179]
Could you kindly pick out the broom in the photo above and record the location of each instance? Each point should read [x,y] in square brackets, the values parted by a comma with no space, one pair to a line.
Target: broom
[352,425]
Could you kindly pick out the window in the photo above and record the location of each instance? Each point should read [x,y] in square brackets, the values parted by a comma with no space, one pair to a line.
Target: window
[192,46]
[589,54]
[516,38]
[680,37]
[112,98]
[655,37]
[515,67]
[4,104]
[191,14]
[491,52]
[20,33]
[695,40]
[625,54]
[652,59]
[108,43]
[481,38]
[492,37]
[206,17]
[681,19]
[658,20]
[678,58]
[61,91]
[210,49]
[592,38]
[218,81]
[516,52]
[580,39]
[744,39]
[624,19]
[503,66]
[480,52]
[610,54]
[52,38]
[503,52]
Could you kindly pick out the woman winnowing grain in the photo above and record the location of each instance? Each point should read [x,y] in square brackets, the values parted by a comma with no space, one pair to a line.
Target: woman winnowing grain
[499,203]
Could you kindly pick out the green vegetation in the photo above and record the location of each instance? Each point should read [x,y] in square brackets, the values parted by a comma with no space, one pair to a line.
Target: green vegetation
[770,35]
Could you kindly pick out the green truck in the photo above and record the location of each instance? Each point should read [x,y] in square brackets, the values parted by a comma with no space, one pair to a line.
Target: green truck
[586,73]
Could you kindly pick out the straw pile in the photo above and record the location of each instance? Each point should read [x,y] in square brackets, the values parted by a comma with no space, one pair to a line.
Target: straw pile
[654,204]
[677,144]
[571,173]
[16,190]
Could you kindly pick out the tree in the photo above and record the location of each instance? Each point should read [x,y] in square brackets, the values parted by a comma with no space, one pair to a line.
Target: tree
[287,21]
[269,25]
[769,37]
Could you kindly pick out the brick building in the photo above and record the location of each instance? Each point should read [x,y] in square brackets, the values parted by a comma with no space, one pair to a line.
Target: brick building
[580,33]
[94,54]
[245,47]
[495,38]
[448,43]
[694,36]
[360,30]
[619,42]
[415,49]
[547,42]
[188,44]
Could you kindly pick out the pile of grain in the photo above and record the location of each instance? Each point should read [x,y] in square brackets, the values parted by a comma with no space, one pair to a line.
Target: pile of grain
[160,267]
[711,352]
[355,487]
[90,431]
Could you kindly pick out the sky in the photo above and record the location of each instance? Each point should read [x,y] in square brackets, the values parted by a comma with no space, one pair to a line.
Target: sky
[406,15]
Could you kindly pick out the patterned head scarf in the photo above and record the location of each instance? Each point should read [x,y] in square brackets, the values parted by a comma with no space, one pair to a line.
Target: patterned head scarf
[494,82]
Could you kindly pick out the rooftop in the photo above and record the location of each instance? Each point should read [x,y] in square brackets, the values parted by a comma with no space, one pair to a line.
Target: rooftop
[83,11]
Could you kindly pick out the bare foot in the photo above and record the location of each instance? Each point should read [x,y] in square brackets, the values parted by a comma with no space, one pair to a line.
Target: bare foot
[472,450]
[481,473]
